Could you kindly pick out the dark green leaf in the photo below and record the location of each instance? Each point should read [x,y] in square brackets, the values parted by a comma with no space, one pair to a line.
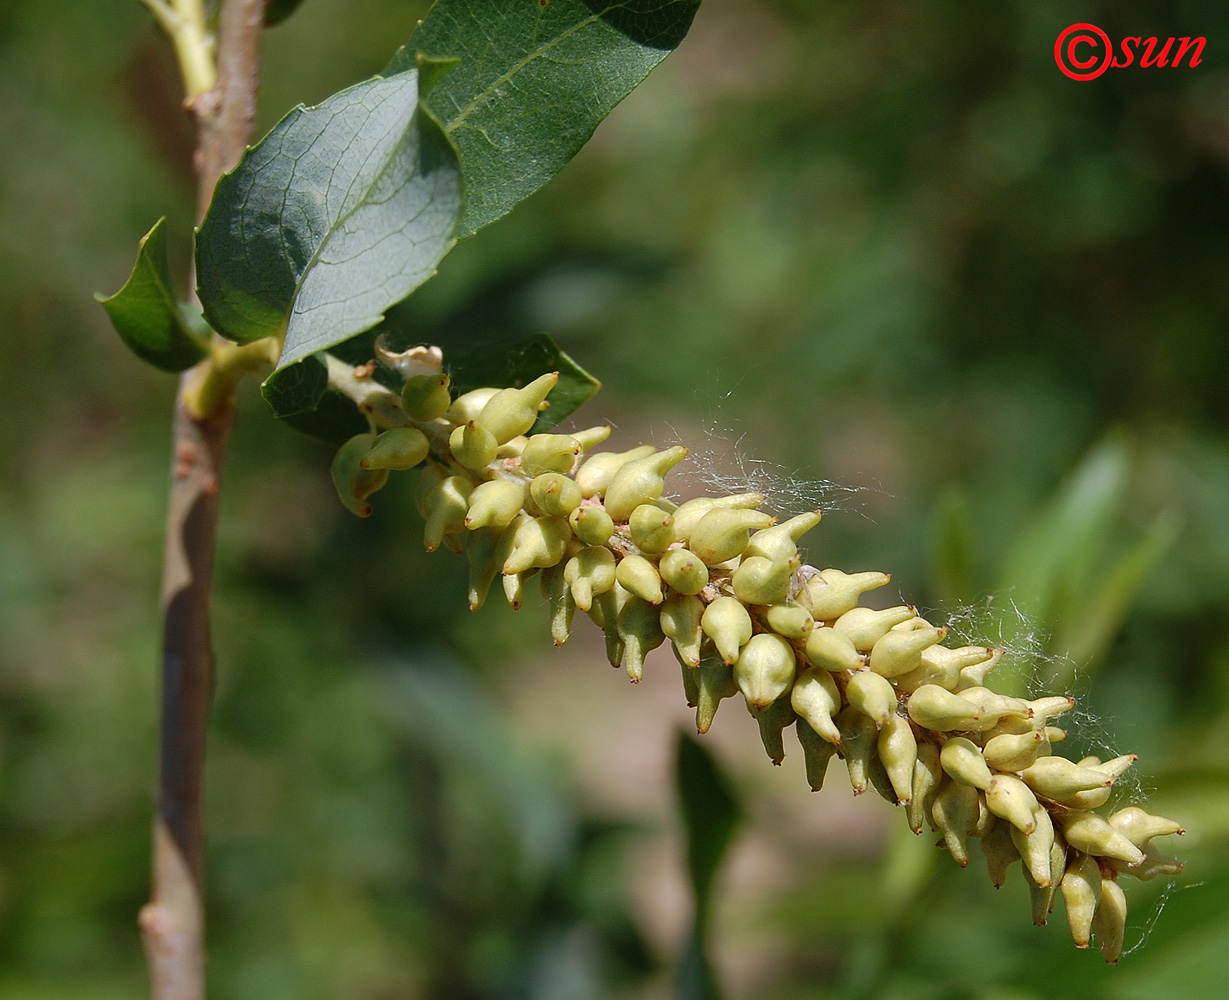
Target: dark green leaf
[338,213]
[276,11]
[711,814]
[535,79]
[519,362]
[300,395]
[148,317]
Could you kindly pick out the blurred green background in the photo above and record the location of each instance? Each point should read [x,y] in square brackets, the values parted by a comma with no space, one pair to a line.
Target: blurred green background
[880,256]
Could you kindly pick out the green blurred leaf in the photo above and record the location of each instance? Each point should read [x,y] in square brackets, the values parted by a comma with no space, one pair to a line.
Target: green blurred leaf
[535,79]
[517,362]
[148,317]
[276,11]
[711,814]
[953,547]
[300,395]
[339,212]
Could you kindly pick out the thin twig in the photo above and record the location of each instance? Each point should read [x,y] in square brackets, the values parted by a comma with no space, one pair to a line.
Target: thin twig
[173,922]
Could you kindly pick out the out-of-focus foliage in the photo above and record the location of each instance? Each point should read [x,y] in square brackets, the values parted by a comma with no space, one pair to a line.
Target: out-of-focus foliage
[884,244]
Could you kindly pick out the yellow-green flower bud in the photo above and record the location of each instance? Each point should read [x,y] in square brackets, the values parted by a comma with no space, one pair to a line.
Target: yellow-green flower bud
[640,481]
[592,436]
[715,679]
[640,629]
[494,504]
[425,397]
[831,593]
[446,505]
[556,495]
[1058,778]
[724,532]
[728,624]
[898,652]
[789,619]
[974,674]
[898,751]
[605,613]
[1015,752]
[817,752]
[1000,852]
[486,559]
[513,448]
[1154,864]
[927,774]
[815,698]
[877,775]
[599,469]
[832,650]
[684,571]
[865,627]
[773,721]
[1115,768]
[962,760]
[872,695]
[1036,848]
[688,515]
[1081,888]
[539,542]
[781,541]
[473,445]
[991,706]
[1041,710]
[1139,827]
[858,745]
[1011,799]
[1054,735]
[762,581]
[549,453]
[355,483]
[468,405]
[640,577]
[559,599]
[514,588]
[513,411]
[942,666]
[592,524]
[764,670]
[398,448]
[1092,834]
[1110,920]
[955,813]
[652,529]
[933,707]
[589,573]
[680,621]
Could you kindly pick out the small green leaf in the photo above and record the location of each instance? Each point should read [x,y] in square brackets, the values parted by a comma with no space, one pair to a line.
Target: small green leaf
[536,77]
[276,11]
[516,363]
[339,212]
[148,317]
[711,814]
[300,395]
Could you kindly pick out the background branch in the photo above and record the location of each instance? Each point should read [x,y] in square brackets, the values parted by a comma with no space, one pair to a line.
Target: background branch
[173,923]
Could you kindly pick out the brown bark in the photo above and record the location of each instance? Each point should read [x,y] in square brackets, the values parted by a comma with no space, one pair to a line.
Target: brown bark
[173,922]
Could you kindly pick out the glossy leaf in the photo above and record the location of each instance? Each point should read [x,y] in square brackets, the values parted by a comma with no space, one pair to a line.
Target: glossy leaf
[534,80]
[711,814]
[339,212]
[518,362]
[148,316]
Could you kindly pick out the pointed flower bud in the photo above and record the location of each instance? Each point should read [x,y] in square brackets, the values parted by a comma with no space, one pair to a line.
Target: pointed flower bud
[1081,888]
[899,652]
[815,698]
[716,682]
[728,624]
[781,541]
[590,437]
[559,599]
[651,528]
[549,453]
[865,627]
[962,760]
[898,751]
[1110,920]
[773,721]
[355,483]
[859,739]
[1139,827]
[1036,848]
[832,650]
[494,504]
[790,620]
[640,577]
[872,695]
[683,570]
[446,505]
[425,397]
[397,448]
[640,481]
[1058,778]
[955,813]
[538,543]
[640,629]
[831,593]
[589,573]
[762,581]
[688,515]
[1015,752]
[513,411]
[467,406]
[599,469]
[927,775]
[680,621]
[933,707]
[1000,852]
[473,445]
[724,533]
[555,494]
[817,752]
[1092,834]
[1012,800]
[764,670]
[592,524]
